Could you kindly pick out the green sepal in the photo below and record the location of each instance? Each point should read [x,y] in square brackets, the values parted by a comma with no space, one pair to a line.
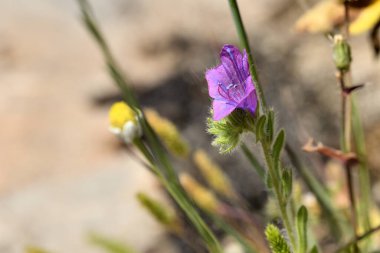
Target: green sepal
[301,224]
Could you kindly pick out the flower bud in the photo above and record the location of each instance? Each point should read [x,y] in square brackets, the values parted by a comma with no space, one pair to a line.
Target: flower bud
[124,122]
[202,196]
[341,53]
[213,174]
[168,133]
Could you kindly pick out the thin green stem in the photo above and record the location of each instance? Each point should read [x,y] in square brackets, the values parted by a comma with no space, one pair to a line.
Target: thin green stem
[364,177]
[245,43]
[254,162]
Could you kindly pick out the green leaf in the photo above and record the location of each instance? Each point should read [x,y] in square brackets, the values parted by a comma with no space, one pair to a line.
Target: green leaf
[109,245]
[276,240]
[301,224]
[287,183]
[278,145]
[269,127]
[260,128]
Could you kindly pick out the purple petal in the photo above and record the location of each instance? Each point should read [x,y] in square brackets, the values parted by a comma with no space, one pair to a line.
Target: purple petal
[232,61]
[221,109]
[250,101]
[216,77]
[245,63]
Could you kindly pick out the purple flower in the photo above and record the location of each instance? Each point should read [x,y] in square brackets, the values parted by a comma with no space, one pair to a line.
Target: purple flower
[230,84]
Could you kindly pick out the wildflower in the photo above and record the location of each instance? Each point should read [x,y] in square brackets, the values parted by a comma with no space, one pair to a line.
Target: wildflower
[168,133]
[230,84]
[124,122]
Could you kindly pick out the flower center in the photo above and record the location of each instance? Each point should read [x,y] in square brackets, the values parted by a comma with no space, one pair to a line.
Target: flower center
[232,92]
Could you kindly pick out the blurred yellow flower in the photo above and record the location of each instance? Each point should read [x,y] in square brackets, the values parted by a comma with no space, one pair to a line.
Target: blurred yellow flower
[123,122]
[367,18]
[120,113]
[329,14]
[321,18]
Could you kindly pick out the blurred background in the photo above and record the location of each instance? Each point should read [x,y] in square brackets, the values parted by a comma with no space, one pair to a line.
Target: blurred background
[63,175]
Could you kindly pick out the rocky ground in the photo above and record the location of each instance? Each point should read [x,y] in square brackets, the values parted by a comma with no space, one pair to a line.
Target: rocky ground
[61,173]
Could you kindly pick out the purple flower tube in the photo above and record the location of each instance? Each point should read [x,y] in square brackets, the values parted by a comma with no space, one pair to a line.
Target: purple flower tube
[230,84]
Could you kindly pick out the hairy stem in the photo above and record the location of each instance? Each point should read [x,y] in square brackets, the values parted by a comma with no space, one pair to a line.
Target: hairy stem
[276,189]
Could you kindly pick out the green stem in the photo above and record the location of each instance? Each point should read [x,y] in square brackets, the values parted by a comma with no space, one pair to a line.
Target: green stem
[364,177]
[245,43]
[276,186]
[254,162]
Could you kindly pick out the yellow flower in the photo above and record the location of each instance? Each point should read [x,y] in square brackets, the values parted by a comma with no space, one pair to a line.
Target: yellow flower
[367,18]
[123,122]
[119,114]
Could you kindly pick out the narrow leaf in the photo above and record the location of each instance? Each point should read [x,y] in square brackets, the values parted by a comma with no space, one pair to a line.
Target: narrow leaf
[269,127]
[287,183]
[278,145]
[301,223]
[260,128]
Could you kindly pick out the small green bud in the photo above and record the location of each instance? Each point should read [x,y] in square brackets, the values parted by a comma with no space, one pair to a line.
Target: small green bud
[341,53]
